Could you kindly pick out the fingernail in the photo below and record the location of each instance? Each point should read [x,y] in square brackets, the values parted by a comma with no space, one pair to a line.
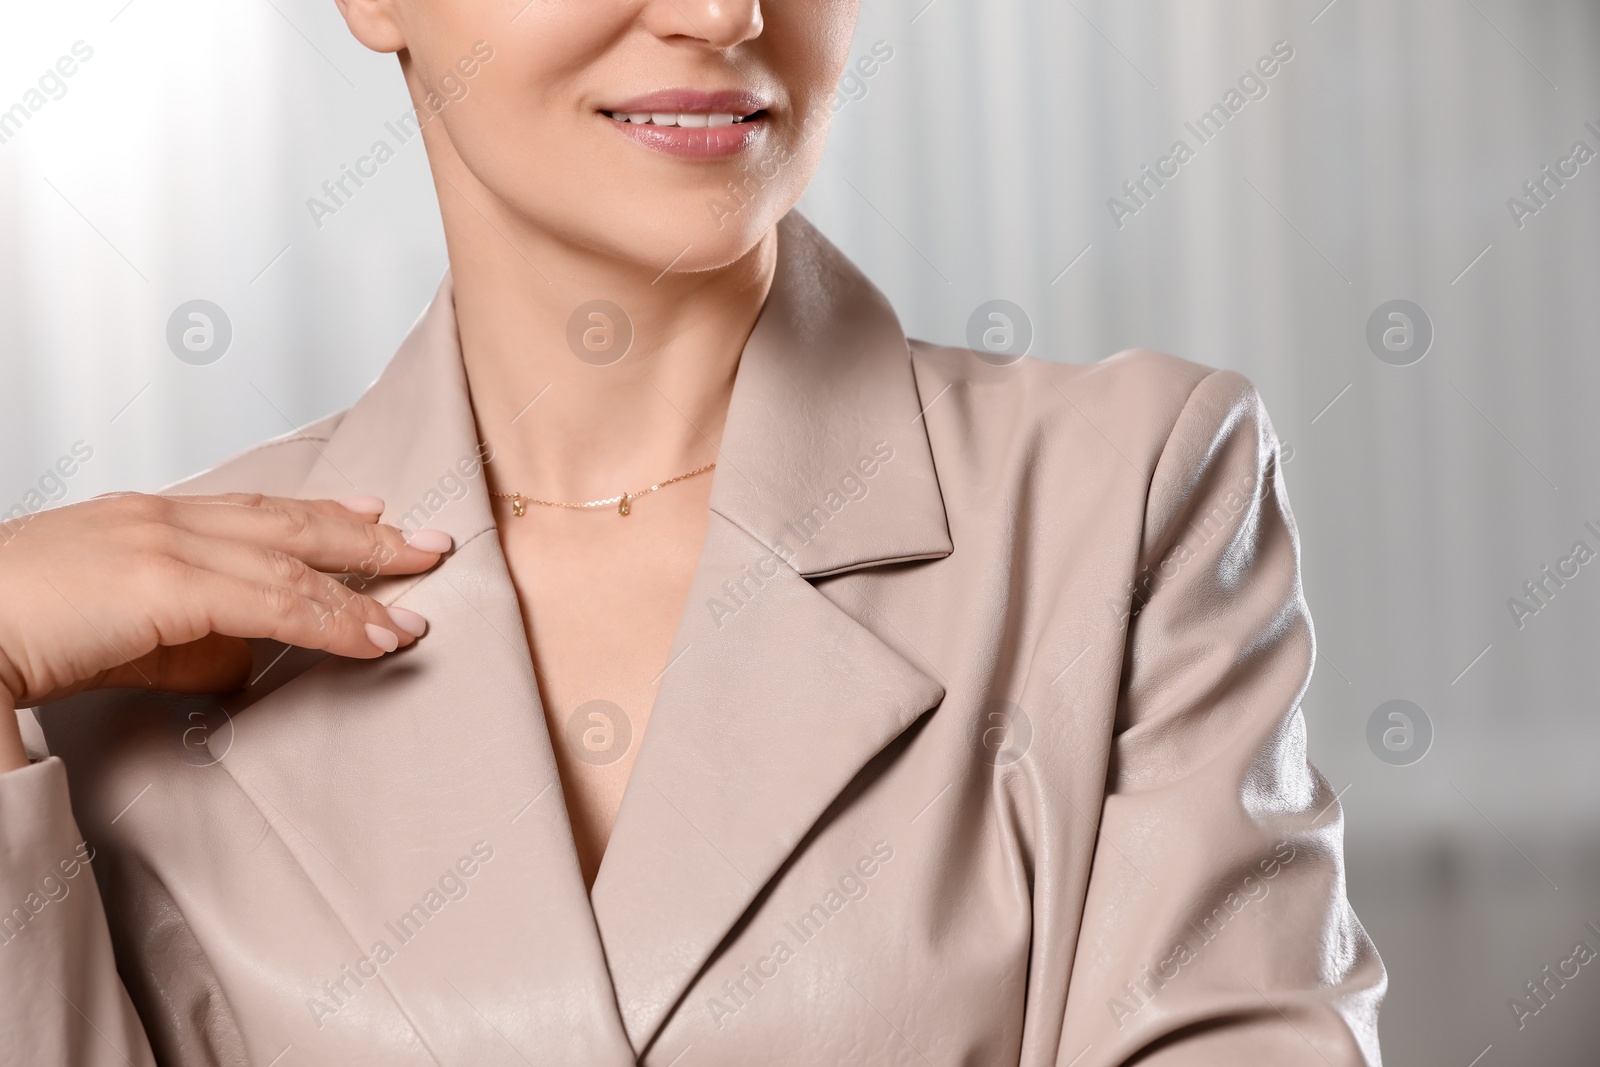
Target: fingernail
[429,540]
[409,621]
[365,505]
[387,640]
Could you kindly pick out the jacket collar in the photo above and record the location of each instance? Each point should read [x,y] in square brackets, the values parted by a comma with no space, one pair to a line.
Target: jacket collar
[824,387]
[774,699]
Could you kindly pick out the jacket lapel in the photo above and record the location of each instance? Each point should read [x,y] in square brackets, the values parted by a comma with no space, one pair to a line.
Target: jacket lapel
[775,697]
[383,777]
[380,775]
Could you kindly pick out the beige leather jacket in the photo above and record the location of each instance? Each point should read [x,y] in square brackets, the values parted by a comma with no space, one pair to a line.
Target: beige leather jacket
[980,744]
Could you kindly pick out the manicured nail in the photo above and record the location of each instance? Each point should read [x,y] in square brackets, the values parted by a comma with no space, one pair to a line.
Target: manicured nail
[409,621]
[387,640]
[365,505]
[429,540]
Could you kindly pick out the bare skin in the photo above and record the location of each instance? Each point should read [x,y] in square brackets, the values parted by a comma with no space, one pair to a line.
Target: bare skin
[547,206]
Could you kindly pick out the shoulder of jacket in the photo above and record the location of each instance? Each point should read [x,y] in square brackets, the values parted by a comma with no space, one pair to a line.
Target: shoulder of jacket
[275,467]
[1135,397]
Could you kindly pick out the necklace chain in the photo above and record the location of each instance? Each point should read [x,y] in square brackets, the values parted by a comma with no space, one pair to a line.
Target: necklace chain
[624,501]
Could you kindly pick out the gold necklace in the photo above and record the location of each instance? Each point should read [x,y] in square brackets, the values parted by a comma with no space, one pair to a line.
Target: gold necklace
[519,503]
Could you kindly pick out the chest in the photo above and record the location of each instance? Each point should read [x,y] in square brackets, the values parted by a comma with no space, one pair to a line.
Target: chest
[601,596]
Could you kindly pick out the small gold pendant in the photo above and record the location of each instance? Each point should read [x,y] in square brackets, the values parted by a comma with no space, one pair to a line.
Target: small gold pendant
[622,505]
[517,506]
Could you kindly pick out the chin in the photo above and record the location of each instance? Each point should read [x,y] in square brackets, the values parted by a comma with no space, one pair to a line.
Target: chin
[661,230]
[663,238]
[700,244]
[693,221]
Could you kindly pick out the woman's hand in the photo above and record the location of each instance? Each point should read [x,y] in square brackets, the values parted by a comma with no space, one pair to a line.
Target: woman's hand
[160,591]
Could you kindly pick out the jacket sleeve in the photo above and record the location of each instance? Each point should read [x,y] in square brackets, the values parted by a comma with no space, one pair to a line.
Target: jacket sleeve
[1216,928]
[61,1001]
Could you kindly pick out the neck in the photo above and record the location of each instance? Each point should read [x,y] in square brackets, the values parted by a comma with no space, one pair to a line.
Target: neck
[569,427]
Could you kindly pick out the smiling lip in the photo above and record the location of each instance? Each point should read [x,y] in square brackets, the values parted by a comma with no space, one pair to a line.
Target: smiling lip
[691,123]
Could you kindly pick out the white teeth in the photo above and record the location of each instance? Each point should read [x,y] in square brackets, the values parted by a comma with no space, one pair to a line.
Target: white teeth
[686,119]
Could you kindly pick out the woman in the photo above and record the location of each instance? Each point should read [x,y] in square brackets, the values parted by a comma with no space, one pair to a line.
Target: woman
[952,718]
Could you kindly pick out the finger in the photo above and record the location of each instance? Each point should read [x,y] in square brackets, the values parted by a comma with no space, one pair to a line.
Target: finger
[269,567]
[222,603]
[327,541]
[362,508]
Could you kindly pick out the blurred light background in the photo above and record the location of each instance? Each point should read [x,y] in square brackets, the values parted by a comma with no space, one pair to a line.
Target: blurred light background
[976,163]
